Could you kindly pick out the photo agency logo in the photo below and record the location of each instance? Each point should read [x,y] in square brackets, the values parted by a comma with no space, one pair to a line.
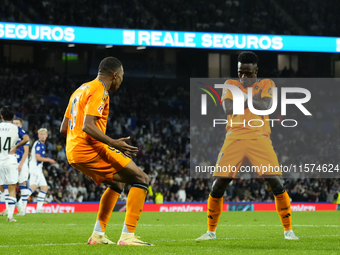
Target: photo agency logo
[204,98]
[240,99]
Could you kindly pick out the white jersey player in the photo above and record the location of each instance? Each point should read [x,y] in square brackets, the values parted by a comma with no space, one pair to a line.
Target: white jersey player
[22,157]
[37,178]
[9,135]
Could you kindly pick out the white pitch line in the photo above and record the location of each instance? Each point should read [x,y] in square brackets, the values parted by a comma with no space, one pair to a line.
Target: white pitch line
[264,225]
[319,236]
[241,238]
[159,241]
[183,240]
[36,245]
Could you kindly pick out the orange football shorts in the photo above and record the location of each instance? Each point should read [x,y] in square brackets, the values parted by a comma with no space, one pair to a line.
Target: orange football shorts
[108,162]
[242,155]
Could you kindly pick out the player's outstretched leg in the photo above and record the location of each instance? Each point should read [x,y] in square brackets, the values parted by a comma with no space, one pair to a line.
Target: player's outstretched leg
[133,175]
[215,208]
[107,203]
[282,203]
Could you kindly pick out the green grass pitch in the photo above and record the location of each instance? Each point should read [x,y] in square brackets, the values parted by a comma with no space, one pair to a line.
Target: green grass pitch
[173,233]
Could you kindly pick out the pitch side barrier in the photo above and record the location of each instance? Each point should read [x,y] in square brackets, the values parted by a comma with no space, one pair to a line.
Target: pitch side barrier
[178,207]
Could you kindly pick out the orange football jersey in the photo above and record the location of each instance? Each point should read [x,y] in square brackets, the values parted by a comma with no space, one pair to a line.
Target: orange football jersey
[245,131]
[91,98]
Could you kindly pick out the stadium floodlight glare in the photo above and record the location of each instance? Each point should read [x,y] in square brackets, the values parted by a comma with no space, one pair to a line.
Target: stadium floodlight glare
[141,48]
[160,38]
[71,45]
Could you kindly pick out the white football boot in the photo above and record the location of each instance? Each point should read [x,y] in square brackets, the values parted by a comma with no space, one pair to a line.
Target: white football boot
[207,236]
[289,235]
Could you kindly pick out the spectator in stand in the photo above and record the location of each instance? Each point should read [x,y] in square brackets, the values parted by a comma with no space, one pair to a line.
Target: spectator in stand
[330,196]
[159,197]
[49,197]
[181,194]
[74,190]
[79,197]
[83,190]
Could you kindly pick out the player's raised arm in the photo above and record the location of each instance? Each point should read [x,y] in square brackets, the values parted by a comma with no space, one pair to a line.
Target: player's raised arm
[263,99]
[43,159]
[228,106]
[227,99]
[40,149]
[90,128]
[24,156]
[25,139]
[261,103]
[64,126]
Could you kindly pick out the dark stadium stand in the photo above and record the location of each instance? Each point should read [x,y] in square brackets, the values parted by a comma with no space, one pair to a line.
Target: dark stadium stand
[232,16]
[318,17]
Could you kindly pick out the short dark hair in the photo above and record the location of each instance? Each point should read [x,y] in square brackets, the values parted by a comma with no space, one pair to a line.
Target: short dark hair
[19,119]
[247,57]
[7,112]
[109,65]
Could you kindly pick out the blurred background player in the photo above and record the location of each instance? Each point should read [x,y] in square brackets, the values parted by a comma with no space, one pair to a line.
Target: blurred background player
[102,158]
[22,157]
[37,178]
[248,145]
[9,135]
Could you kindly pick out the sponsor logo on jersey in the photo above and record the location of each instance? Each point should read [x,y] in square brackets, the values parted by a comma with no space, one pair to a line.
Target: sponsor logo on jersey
[101,108]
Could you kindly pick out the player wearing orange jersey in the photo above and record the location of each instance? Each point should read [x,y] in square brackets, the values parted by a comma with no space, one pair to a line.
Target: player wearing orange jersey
[102,158]
[249,131]
[248,143]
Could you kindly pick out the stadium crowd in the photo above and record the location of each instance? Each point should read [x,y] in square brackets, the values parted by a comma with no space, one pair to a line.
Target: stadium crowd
[231,16]
[163,140]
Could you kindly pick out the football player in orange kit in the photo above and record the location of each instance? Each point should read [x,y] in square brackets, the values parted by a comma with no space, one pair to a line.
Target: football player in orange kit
[248,144]
[102,158]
